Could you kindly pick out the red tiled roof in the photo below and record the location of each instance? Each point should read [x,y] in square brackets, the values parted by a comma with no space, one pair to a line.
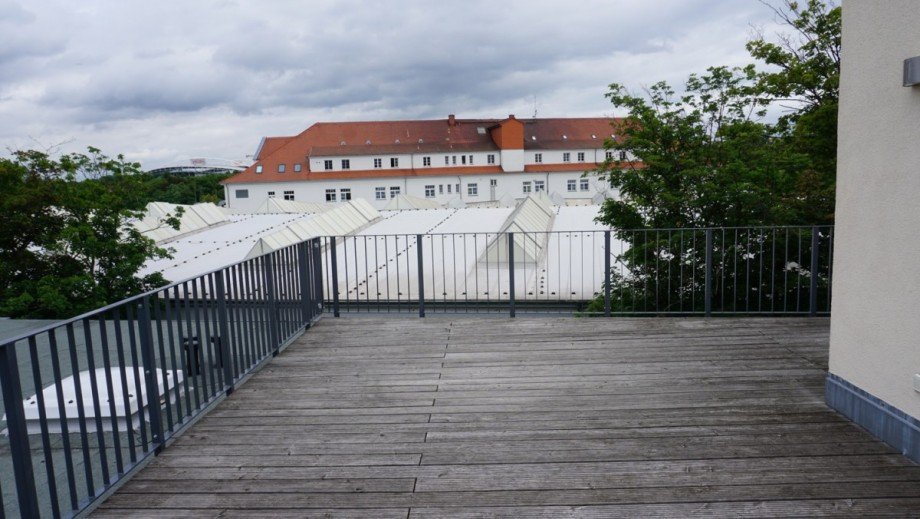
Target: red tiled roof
[403,137]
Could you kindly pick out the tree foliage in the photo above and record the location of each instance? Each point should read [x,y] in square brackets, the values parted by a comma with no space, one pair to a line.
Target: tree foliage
[66,246]
[709,158]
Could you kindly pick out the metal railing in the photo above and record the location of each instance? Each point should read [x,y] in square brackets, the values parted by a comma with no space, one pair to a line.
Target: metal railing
[109,389]
[731,270]
[112,387]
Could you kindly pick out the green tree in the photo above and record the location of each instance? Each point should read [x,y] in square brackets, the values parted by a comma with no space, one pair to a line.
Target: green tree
[804,78]
[66,244]
[707,158]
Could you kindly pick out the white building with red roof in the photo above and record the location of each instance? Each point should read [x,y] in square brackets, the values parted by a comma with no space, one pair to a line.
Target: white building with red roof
[473,161]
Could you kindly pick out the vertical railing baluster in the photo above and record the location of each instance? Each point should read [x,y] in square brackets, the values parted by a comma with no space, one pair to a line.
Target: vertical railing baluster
[511,308]
[421,274]
[271,301]
[813,293]
[335,276]
[20,452]
[708,279]
[153,393]
[223,333]
[606,273]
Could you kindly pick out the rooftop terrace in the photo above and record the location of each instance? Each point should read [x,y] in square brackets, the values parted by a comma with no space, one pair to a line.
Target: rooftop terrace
[541,417]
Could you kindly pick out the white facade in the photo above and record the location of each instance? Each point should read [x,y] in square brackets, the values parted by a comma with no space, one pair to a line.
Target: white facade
[441,188]
[875,329]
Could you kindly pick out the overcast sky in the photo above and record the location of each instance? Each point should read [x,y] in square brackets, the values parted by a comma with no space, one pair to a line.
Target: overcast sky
[165,81]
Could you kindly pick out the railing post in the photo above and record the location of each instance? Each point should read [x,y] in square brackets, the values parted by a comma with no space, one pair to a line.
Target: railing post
[708,280]
[335,276]
[511,272]
[606,273]
[150,378]
[224,330]
[269,273]
[421,275]
[813,294]
[18,434]
[317,276]
[306,299]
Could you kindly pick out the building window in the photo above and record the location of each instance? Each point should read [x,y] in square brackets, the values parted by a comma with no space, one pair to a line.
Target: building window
[394,162]
[345,194]
[463,159]
[378,163]
[449,186]
[446,160]
[622,155]
[380,193]
[242,193]
[527,187]
[583,184]
[281,168]
[581,156]
[259,169]
[426,161]
[429,191]
[288,195]
[539,185]
[458,189]
[394,191]
[327,165]
[471,160]
[566,157]
[538,157]
[571,185]
[297,168]
[440,189]
[330,195]
[346,164]
[271,194]
[493,182]
[609,155]
[490,158]
[472,190]
[453,160]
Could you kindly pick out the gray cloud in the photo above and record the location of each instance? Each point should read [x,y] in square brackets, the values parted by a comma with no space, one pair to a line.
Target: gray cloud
[160,81]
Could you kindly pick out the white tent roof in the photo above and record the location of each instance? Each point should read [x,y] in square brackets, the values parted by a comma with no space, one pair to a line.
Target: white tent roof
[456,203]
[278,205]
[194,218]
[404,201]
[344,219]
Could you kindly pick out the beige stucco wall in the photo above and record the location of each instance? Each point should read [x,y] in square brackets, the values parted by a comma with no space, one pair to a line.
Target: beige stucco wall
[875,321]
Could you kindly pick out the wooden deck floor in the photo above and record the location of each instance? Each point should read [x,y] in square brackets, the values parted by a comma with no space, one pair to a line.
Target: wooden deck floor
[552,417]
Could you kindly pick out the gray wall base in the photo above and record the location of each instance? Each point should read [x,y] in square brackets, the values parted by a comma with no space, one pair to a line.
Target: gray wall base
[885,422]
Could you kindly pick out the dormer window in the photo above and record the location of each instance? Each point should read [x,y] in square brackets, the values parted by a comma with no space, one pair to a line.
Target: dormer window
[259,169]
[327,165]
[346,164]
[378,163]
[394,162]
[581,156]
[566,157]
[622,155]
[538,157]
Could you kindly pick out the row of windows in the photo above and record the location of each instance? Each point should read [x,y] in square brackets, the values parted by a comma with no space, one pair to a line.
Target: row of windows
[449,160]
[344,194]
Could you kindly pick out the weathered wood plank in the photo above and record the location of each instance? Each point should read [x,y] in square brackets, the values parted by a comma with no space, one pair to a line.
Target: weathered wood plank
[393,416]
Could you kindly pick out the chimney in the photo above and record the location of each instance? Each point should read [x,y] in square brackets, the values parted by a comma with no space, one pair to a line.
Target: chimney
[510,116]
[451,120]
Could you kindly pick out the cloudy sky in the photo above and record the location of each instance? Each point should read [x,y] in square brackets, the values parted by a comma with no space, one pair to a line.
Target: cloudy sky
[168,80]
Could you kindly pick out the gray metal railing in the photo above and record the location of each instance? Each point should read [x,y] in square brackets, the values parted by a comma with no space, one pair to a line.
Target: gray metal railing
[109,389]
[731,270]
[112,387]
